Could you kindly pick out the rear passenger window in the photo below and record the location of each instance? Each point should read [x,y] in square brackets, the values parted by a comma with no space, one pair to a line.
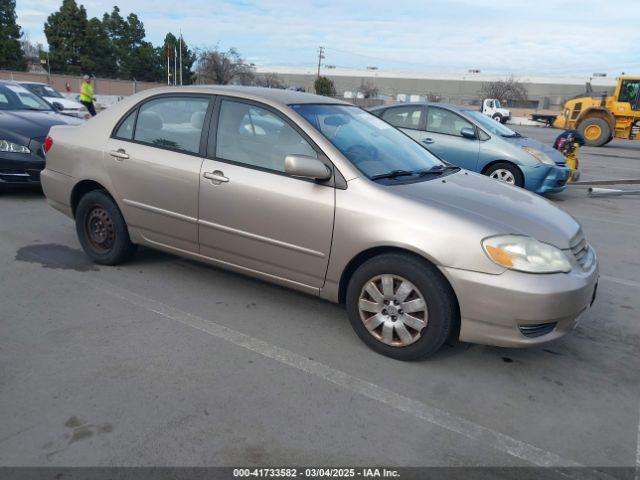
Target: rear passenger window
[174,123]
[125,130]
[254,136]
[404,117]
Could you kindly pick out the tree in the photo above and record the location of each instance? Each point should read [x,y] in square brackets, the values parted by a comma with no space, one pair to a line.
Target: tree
[98,56]
[11,55]
[270,80]
[66,32]
[505,90]
[324,86]
[223,68]
[368,89]
[172,45]
[135,57]
[34,55]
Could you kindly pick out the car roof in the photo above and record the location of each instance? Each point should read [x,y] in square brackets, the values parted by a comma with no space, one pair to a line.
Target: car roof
[32,83]
[450,106]
[274,95]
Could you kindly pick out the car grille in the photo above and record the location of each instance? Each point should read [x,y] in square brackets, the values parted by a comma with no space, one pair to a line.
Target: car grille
[537,330]
[581,250]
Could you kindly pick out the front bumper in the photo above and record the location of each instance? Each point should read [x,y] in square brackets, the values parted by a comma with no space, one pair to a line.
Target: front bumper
[20,168]
[516,309]
[546,178]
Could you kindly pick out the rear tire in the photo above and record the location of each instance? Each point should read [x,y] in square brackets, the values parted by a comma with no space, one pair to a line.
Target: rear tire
[595,131]
[506,172]
[415,286]
[101,229]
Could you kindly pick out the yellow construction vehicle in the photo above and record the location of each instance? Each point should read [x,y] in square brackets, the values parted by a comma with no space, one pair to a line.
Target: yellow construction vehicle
[600,120]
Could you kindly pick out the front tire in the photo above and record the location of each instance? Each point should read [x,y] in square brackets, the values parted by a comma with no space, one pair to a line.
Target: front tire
[595,131]
[102,230]
[506,172]
[497,117]
[401,306]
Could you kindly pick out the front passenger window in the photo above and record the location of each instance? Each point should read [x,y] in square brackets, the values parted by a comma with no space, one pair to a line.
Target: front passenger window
[440,120]
[172,122]
[254,136]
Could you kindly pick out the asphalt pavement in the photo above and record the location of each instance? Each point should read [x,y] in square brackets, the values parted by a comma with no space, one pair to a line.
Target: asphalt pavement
[164,361]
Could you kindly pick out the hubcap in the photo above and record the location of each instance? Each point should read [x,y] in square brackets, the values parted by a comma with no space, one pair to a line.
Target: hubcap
[99,228]
[503,175]
[592,132]
[393,310]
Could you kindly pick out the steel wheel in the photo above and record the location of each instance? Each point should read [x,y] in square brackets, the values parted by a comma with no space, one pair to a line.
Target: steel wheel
[393,310]
[99,229]
[503,175]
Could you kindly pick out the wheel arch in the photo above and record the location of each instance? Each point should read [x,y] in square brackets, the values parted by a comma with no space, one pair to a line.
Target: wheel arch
[83,187]
[494,162]
[597,112]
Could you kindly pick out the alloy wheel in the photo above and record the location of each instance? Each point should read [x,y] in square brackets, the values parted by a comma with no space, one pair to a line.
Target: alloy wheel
[503,175]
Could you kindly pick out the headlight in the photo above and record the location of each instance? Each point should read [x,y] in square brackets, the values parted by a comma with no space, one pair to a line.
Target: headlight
[525,254]
[7,146]
[538,155]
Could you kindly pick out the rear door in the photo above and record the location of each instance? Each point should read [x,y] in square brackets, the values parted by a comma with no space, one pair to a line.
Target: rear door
[154,158]
[252,214]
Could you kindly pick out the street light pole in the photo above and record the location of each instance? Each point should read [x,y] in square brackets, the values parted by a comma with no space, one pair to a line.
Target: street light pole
[180,57]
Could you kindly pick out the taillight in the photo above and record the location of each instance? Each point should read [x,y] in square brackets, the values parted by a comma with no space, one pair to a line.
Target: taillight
[48,143]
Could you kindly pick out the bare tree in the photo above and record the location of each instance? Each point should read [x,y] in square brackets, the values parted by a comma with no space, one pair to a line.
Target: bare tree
[510,89]
[222,68]
[270,80]
[433,97]
[368,89]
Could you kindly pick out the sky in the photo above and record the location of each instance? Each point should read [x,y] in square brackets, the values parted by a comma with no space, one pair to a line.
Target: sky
[521,37]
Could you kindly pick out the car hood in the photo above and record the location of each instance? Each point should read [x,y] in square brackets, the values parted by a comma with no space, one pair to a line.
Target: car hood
[65,102]
[32,124]
[499,207]
[554,154]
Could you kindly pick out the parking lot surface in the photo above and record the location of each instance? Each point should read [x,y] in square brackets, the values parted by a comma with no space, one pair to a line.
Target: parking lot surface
[163,361]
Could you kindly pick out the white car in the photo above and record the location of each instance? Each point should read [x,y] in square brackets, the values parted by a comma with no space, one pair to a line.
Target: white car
[56,99]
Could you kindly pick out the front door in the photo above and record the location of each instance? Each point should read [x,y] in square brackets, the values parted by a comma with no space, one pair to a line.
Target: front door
[154,160]
[443,137]
[252,214]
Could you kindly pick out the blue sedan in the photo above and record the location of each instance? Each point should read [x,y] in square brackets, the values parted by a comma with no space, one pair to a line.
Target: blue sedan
[471,140]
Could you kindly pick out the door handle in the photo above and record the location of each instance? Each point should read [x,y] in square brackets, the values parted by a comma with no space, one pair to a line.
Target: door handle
[120,154]
[428,140]
[216,177]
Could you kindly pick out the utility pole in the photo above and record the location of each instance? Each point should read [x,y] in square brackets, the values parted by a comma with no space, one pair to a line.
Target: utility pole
[175,66]
[320,58]
[180,57]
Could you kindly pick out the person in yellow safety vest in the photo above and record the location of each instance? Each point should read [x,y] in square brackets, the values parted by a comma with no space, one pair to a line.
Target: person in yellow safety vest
[86,95]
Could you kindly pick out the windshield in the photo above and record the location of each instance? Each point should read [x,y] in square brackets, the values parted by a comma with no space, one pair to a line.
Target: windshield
[14,97]
[488,123]
[372,145]
[43,90]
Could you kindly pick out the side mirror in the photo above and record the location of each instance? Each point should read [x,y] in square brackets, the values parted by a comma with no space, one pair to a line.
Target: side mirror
[57,106]
[306,167]
[468,132]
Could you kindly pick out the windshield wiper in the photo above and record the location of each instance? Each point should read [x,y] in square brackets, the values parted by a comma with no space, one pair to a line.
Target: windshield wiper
[511,135]
[437,170]
[393,174]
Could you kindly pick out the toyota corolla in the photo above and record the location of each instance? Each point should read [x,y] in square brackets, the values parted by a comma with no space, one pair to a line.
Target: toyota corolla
[320,196]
